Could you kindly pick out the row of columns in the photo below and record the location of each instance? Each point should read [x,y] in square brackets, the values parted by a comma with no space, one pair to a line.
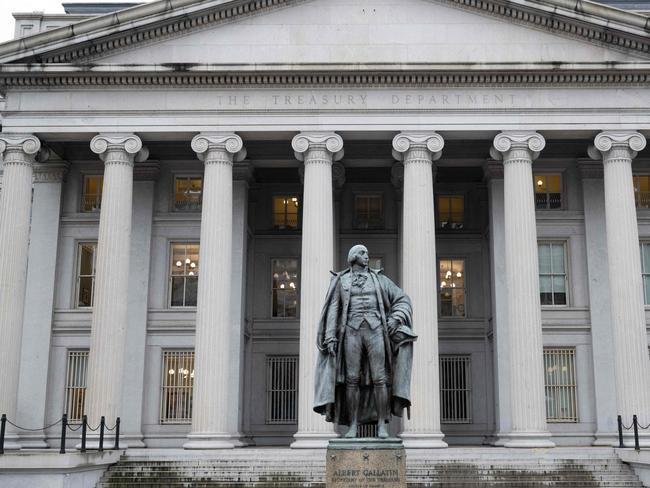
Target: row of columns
[216,396]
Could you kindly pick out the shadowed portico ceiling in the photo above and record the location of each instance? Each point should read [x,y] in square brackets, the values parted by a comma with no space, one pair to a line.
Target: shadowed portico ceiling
[74,54]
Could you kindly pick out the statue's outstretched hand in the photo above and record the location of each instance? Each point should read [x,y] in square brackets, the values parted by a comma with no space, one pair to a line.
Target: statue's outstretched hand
[393,324]
[331,348]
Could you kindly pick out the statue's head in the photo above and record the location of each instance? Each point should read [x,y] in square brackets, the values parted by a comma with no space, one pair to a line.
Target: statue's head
[358,254]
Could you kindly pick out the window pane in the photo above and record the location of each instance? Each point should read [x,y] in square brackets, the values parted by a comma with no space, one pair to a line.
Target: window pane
[178,289]
[646,288]
[560,385]
[86,274]
[458,273]
[559,298]
[645,251]
[191,290]
[540,184]
[188,193]
[458,299]
[557,256]
[75,388]
[544,258]
[285,212]
[559,284]
[177,384]
[553,183]
[284,287]
[91,197]
[86,262]
[85,292]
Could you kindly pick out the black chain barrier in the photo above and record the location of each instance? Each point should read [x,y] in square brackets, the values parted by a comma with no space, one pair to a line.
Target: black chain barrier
[65,426]
[635,427]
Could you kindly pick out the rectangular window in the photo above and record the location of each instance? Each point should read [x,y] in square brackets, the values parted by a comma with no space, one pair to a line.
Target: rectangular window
[91,199]
[368,212]
[75,384]
[188,193]
[285,212]
[451,211]
[560,384]
[177,383]
[284,287]
[86,261]
[645,270]
[282,389]
[641,190]
[456,389]
[548,192]
[184,275]
[452,287]
[552,274]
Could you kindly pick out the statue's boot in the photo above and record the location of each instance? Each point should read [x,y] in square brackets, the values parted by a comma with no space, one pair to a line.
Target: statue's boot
[383,410]
[352,398]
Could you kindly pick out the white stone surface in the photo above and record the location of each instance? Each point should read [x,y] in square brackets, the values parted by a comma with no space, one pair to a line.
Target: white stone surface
[417,150]
[18,152]
[628,323]
[518,150]
[212,426]
[318,151]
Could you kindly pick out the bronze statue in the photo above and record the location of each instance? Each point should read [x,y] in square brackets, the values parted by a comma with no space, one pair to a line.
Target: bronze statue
[365,342]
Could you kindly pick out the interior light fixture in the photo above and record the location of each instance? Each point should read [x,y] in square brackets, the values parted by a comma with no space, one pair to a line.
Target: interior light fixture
[179,263]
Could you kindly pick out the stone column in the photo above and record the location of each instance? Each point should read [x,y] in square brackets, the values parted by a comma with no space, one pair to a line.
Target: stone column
[37,325]
[318,151]
[212,426]
[524,316]
[417,151]
[628,325]
[110,307]
[18,152]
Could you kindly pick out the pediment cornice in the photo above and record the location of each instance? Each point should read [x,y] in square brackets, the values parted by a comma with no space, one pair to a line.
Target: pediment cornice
[90,40]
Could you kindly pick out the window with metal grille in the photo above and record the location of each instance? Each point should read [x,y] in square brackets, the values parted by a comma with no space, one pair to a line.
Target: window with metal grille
[91,198]
[285,212]
[552,273]
[188,193]
[75,384]
[645,271]
[641,190]
[560,384]
[86,261]
[184,275]
[368,212]
[177,383]
[451,211]
[548,192]
[455,389]
[282,389]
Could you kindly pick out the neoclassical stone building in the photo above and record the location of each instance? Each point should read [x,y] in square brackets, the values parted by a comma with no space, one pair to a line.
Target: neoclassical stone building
[180,177]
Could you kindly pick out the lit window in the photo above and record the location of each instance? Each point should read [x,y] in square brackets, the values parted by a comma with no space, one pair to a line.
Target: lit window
[452,288]
[184,275]
[282,389]
[552,274]
[284,287]
[560,384]
[368,212]
[177,383]
[285,212]
[641,191]
[86,274]
[548,192]
[91,199]
[645,270]
[455,389]
[188,193]
[451,211]
[75,385]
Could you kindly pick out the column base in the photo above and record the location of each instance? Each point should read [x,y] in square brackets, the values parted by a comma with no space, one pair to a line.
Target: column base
[12,443]
[432,440]
[132,440]
[500,440]
[605,439]
[210,441]
[312,440]
[628,439]
[529,440]
[32,441]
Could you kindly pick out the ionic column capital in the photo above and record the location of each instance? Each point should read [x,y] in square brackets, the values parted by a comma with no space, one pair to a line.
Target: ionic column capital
[119,148]
[215,147]
[517,145]
[50,172]
[610,145]
[409,146]
[317,146]
[19,148]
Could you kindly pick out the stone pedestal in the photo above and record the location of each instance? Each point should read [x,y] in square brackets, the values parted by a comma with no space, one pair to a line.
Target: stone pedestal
[366,463]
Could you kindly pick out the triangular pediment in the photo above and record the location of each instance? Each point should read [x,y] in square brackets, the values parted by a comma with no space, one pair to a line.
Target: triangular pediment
[361,32]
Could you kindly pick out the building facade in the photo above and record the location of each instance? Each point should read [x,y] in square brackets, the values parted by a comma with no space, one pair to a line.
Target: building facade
[179,179]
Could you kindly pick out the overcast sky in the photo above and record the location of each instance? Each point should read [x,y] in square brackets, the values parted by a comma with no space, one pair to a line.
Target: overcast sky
[7,7]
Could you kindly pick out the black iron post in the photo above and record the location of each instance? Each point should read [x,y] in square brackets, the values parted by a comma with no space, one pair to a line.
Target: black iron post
[117,433]
[3,425]
[620,432]
[102,424]
[84,426]
[64,427]
[635,423]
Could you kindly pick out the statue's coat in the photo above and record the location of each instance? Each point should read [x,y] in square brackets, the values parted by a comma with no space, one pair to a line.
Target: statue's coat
[329,397]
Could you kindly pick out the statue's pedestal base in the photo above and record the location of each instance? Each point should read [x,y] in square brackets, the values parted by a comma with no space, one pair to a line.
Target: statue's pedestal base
[366,463]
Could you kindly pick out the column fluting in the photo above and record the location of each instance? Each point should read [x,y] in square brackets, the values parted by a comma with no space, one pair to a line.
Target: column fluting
[109,315]
[318,151]
[524,317]
[212,427]
[18,153]
[628,324]
[417,151]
